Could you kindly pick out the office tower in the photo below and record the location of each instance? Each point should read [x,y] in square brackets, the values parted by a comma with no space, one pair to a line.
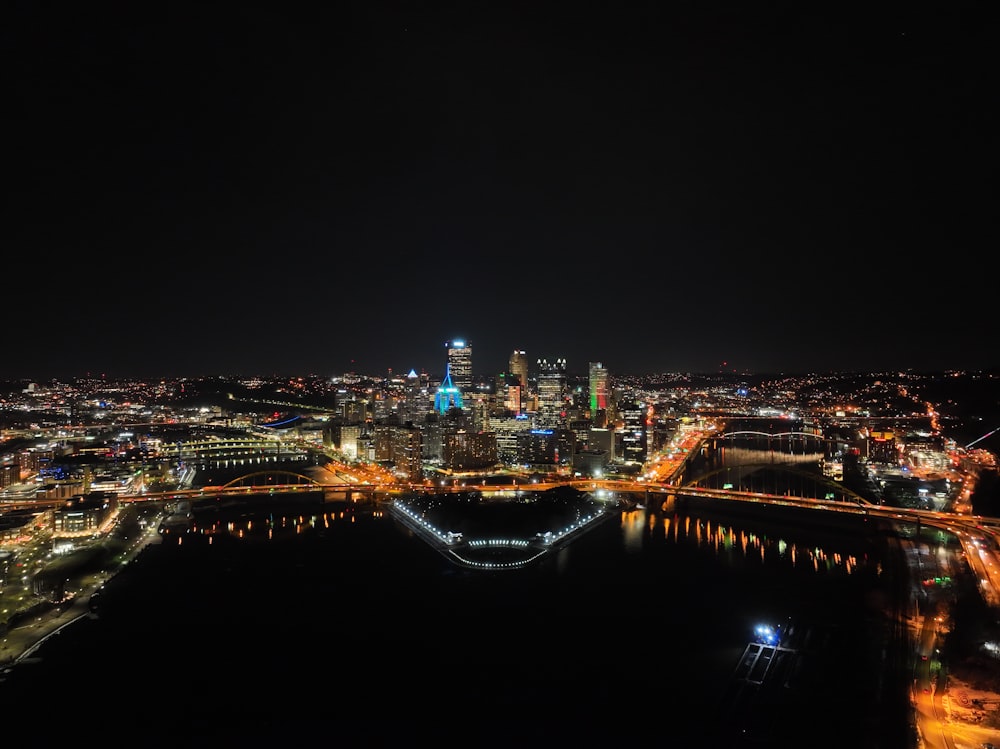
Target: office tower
[551,393]
[512,398]
[602,439]
[633,432]
[598,393]
[448,396]
[518,365]
[406,452]
[460,365]
[507,430]
[413,407]
[883,448]
[469,451]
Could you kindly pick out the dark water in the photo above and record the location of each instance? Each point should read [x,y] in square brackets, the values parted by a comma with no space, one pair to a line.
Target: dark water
[335,625]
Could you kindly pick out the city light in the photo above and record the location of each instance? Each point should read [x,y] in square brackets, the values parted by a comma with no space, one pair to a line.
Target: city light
[767,635]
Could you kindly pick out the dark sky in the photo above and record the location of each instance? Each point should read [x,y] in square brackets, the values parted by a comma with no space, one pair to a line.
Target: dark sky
[203,188]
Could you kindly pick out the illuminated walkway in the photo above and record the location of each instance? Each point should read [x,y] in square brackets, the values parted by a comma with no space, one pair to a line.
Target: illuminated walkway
[505,549]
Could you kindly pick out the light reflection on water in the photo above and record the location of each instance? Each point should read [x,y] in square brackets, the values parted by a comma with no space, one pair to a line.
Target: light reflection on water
[729,540]
[650,608]
[252,525]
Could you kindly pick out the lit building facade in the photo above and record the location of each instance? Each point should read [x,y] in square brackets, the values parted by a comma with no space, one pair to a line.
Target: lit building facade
[598,387]
[633,432]
[415,402]
[407,453]
[507,430]
[460,365]
[83,514]
[469,451]
[448,395]
[518,366]
[882,448]
[546,449]
[551,393]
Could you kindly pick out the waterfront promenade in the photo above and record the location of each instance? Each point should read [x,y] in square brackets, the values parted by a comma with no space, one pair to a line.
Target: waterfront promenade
[20,641]
[23,637]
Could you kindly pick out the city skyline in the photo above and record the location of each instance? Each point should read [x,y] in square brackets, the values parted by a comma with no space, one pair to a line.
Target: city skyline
[251,191]
[207,546]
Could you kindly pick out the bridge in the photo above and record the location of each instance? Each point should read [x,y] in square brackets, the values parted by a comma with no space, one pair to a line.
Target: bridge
[977,535]
[789,446]
[773,469]
[229,452]
[787,463]
[269,483]
[655,495]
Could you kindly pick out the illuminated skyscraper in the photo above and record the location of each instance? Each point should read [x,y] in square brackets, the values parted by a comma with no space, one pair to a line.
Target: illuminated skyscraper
[413,407]
[598,393]
[460,365]
[447,396]
[633,432]
[518,365]
[551,393]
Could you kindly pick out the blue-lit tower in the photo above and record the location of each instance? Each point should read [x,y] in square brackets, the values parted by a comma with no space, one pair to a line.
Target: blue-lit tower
[447,396]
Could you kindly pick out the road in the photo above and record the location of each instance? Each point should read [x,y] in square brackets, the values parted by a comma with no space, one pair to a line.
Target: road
[21,640]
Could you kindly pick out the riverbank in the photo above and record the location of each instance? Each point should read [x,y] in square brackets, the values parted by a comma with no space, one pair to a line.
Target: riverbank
[26,631]
[21,640]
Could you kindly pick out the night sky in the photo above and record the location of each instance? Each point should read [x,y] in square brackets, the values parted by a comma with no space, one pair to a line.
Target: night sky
[280,189]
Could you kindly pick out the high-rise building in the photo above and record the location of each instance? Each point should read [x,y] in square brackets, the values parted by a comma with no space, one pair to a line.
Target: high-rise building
[407,456]
[883,448]
[414,405]
[460,365]
[633,432]
[512,395]
[464,451]
[507,429]
[551,393]
[518,365]
[598,393]
[448,395]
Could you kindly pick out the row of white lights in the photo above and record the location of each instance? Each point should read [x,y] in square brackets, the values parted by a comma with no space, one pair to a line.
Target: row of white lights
[452,537]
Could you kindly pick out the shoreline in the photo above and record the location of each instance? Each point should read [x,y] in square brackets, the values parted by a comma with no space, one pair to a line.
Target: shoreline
[21,641]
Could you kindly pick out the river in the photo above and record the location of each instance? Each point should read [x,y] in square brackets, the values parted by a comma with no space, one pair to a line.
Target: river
[336,620]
